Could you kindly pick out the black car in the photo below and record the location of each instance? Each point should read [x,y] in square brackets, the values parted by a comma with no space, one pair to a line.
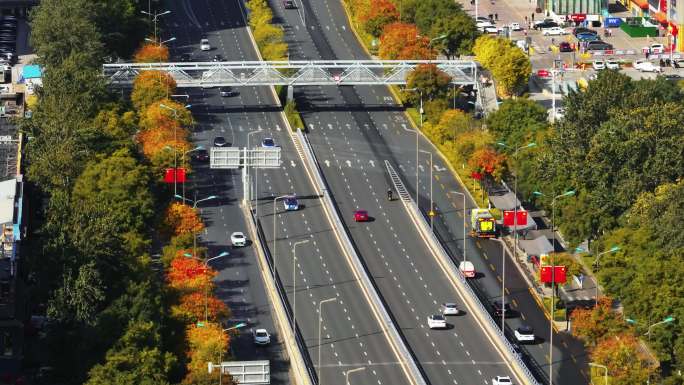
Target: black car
[201,155]
[598,45]
[289,4]
[546,24]
[217,58]
[564,46]
[227,91]
[184,57]
[501,308]
[220,141]
[578,30]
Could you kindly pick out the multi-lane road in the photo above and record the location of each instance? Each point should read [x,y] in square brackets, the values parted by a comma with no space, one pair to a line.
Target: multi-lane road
[352,141]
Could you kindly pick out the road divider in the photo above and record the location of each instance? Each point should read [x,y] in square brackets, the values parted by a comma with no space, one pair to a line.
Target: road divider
[475,306]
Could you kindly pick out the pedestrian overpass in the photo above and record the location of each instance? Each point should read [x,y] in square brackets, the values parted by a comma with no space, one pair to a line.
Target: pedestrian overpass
[290,73]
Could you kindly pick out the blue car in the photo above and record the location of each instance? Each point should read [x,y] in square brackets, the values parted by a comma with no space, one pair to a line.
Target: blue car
[587,36]
[291,203]
[268,143]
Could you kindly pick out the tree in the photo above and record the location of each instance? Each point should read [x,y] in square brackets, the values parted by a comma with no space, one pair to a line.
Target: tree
[429,12]
[488,48]
[151,53]
[115,127]
[137,358]
[402,41]
[511,69]
[60,28]
[154,115]
[80,296]
[181,218]
[191,308]
[268,34]
[206,344]
[460,33]
[486,160]
[593,325]
[516,122]
[121,26]
[189,275]
[377,15]
[433,82]
[626,362]
[434,109]
[151,86]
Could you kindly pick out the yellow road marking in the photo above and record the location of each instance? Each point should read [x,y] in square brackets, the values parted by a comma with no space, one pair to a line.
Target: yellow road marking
[507,292]
[492,267]
[477,243]
[454,204]
[485,256]
[522,316]
[514,303]
[443,187]
[498,278]
[437,177]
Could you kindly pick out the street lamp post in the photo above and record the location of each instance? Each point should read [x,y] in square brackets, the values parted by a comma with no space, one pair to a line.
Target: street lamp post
[431,213]
[185,154]
[320,322]
[464,222]
[238,326]
[515,196]
[194,206]
[175,144]
[160,42]
[294,284]
[275,235]
[206,291]
[553,278]
[154,17]
[348,372]
[256,179]
[605,373]
[665,321]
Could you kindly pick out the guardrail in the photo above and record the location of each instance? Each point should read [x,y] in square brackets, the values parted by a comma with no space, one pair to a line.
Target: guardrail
[280,289]
[441,253]
[387,319]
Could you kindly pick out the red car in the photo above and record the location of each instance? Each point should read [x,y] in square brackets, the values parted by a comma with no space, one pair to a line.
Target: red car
[361,215]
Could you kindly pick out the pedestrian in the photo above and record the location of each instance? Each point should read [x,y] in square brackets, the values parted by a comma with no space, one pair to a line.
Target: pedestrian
[553,41]
[496,16]
[647,53]
[532,17]
[525,19]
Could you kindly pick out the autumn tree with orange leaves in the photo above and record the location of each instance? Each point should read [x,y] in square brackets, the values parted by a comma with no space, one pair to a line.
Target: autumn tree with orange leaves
[151,86]
[191,308]
[181,218]
[377,15]
[626,361]
[401,41]
[207,343]
[188,275]
[592,325]
[486,160]
[151,53]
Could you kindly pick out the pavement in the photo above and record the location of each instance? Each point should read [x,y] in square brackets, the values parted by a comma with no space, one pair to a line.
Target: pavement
[353,131]
[351,336]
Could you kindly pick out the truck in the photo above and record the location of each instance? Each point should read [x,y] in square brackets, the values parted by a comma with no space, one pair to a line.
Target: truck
[482,223]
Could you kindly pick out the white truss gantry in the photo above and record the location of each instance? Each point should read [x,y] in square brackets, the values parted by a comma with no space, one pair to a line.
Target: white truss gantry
[290,73]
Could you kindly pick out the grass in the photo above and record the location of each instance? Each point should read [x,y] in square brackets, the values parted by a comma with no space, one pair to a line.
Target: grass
[293,116]
[559,314]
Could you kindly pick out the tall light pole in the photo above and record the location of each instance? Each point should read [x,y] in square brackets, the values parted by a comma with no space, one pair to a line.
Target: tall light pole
[256,179]
[611,250]
[154,17]
[160,42]
[175,144]
[421,126]
[664,321]
[275,235]
[515,194]
[294,284]
[194,206]
[503,283]
[464,222]
[185,154]
[431,213]
[206,291]
[320,322]
[238,326]
[553,275]
[605,374]
[348,372]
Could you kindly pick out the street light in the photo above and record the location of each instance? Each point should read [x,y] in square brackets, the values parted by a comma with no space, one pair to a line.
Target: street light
[175,144]
[605,374]
[348,372]
[431,213]
[667,320]
[611,250]
[160,42]
[184,156]
[464,223]
[503,282]
[553,273]
[194,206]
[275,235]
[154,17]
[320,321]
[256,180]
[515,194]
[238,326]
[294,283]
[206,291]
[421,126]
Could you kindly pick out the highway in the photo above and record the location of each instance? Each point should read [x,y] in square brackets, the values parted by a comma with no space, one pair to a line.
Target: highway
[350,142]
[354,131]
[351,335]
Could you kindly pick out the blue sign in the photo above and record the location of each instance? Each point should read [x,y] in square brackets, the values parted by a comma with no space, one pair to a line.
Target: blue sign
[612,22]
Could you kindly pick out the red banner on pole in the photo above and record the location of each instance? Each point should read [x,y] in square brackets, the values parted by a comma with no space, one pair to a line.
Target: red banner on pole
[508,218]
[546,275]
[174,175]
[476,175]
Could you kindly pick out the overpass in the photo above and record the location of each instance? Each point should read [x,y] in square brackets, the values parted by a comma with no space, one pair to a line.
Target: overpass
[291,73]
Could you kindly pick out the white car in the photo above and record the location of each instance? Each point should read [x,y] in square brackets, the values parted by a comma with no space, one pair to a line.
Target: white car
[598,65]
[515,27]
[612,64]
[204,45]
[238,239]
[261,337]
[646,66]
[524,334]
[491,29]
[554,31]
[437,321]
[502,380]
[449,308]
[657,48]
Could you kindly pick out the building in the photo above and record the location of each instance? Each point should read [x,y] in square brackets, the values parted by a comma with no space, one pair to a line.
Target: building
[17,7]
[578,10]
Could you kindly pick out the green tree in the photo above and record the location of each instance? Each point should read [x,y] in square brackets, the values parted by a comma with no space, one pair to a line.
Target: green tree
[80,297]
[511,69]
[516,122]
[137,358]
[429,12]
[60,28]
[120,25]
[430,80]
